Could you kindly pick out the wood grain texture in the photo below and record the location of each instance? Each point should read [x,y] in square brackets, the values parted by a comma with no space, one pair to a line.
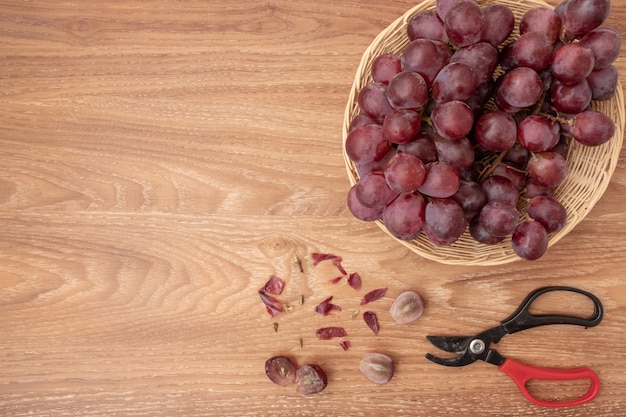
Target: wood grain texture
[161,159]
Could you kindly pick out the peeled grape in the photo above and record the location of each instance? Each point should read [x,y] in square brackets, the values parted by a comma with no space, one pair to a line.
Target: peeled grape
[455,81]
[529,240]
[404,216]
[359,211]
[407,307]
[372,100]
[442,180]
[582,16]
[452,119]
[537,134]
[385,67]
[499,24]
[310,379]
[572,63]
[373,191]
[603,82]
[605,43]
[407,90]
[547,168]
[520,87]
[424,57]
[592,128]
[281,370]
[401,125]
[444,221]
[498,218]
[427,25]
[571,98]
[464,23]
[377,367]
[405,173]
[541,19]
[367,144]
[547,211]
[496,131]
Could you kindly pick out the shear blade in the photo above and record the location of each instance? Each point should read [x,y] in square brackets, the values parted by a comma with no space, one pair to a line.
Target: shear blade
[458,361]
[452,344]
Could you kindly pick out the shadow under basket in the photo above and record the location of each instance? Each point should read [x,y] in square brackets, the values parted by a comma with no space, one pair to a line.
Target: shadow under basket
[590,168]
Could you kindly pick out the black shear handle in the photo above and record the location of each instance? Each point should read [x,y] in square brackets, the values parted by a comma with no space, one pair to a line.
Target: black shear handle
[522,318]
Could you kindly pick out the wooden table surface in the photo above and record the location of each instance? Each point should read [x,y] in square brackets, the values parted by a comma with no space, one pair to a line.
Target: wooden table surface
[161,159]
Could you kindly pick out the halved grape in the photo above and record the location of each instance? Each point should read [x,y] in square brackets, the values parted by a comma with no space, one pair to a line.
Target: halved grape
[281,370]
[310,379]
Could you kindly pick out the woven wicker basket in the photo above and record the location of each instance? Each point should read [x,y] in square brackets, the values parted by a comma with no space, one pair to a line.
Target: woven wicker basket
[590,168]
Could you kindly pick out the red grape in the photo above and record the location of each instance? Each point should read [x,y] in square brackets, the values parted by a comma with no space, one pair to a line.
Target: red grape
[373,191]
[547,211]
[547,168]
[605,43]
[537,134]
[464,23]
[571,98]
[367,144]
[455,81]
[498,218]
[572,62]
[401,125]
[541,19]
[582,16]
[529,240]
[442,180]
[405,173]
[520,87]
[452,119]
[496,131]
[404,217]
[444,221]
[427,25]
[603,82]
[471,197]
[372,100]
[385,67]
[593,128]
[499,188]
[407,90]
[359,211]
[424,57]
[533,50]
[499,24]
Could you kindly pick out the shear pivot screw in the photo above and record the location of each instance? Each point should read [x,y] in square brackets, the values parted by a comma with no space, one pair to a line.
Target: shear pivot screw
[477,346]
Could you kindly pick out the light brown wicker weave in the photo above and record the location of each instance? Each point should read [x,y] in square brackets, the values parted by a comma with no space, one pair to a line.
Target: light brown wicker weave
[590,168]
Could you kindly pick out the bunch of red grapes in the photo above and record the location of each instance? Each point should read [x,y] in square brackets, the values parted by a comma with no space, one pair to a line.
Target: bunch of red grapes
[465,122]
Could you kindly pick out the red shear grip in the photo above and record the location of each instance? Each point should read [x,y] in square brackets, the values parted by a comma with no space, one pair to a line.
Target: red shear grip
[522,373]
